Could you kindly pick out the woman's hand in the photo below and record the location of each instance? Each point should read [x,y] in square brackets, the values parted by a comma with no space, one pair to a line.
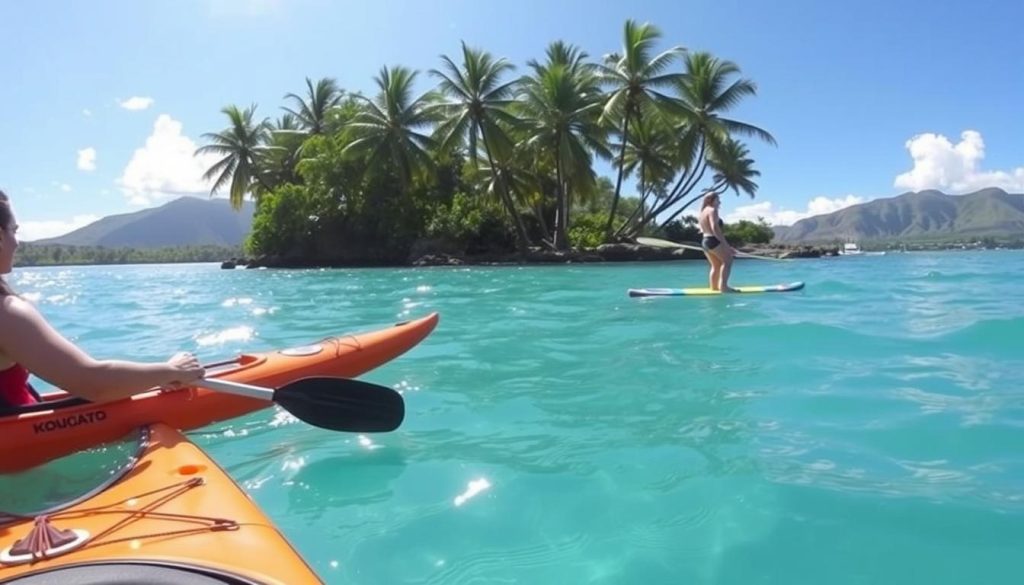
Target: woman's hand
[184,369]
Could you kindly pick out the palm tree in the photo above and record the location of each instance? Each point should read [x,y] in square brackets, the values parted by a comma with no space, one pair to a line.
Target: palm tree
[733,169]
[388,130]
[560,119]
[476,111]
[634,77]
[311,112]
[525,175]
[567,55]
[282,154]
[705,95]
[241,144]
[650,154]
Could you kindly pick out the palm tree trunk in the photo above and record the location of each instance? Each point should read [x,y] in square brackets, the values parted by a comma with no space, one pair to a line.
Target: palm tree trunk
[643,200]
[523,242]
[715,187]
[674,194]
[631,217]
[561,223]
[691,182]
[618,181]
[682,193]
[544,231]
[694,179]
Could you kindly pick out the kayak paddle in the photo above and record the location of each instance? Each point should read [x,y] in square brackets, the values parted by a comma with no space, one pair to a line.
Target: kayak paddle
[659,243]
[336,404]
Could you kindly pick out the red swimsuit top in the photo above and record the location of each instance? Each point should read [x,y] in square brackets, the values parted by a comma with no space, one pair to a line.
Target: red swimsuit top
[14,390]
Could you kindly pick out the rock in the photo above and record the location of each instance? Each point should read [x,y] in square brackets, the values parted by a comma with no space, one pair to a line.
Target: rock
[424,247]
[549,256]
[639,252]
[621,252]
[438,260]
[265,261]
[787,252]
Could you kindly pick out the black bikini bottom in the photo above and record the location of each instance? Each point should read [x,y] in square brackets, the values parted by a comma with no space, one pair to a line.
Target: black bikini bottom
[710,242]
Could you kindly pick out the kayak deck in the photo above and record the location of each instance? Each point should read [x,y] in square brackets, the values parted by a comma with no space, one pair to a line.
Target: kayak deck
[175,516]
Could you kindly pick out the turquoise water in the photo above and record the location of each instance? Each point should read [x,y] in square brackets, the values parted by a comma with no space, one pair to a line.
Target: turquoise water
[868,429]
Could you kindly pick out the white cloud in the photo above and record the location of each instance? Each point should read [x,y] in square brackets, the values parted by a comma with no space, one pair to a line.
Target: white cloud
[36,230]
[136,103]
[62,186]
[87,112]
[780,216]
[87,159]
[938,164]
[954,168]
[165,166]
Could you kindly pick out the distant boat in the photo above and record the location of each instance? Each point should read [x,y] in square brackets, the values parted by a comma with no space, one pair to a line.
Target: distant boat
[852,249]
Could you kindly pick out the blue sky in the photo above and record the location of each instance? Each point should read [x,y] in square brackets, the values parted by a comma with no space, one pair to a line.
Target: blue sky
[103,102]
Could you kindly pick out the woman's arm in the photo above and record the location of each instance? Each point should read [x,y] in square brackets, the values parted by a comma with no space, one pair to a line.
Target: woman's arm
[27,338]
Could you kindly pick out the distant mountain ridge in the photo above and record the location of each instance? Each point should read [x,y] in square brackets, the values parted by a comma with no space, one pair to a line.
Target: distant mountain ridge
[915,216]
[186,221]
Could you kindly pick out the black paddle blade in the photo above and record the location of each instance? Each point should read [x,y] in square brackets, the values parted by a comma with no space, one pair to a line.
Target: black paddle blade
[343,404]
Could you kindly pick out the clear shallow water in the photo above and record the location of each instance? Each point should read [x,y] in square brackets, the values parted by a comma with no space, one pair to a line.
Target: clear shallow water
[865,430]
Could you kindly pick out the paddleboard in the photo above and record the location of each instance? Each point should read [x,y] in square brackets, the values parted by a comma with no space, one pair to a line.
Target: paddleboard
[680,292]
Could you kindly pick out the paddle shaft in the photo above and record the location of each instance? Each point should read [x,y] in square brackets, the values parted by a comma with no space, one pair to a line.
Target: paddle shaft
[237,388]
[667,243]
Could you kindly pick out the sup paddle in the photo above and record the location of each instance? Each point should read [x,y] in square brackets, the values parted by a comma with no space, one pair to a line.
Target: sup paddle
[659,243]
[336,404]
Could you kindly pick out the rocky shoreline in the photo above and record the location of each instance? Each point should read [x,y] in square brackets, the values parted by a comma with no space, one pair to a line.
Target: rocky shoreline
[602,253]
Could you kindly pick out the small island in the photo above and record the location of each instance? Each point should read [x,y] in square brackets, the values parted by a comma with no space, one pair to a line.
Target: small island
[495,161]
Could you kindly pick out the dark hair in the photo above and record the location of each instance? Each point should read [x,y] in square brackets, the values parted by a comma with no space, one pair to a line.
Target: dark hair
[6,217]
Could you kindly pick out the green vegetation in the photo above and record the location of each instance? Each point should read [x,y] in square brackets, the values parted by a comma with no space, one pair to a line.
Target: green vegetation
[488,162]
[56,254]
[748,232]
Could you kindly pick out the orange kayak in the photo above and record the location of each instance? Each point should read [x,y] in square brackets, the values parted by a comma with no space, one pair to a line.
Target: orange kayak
[64,425]
[173,517]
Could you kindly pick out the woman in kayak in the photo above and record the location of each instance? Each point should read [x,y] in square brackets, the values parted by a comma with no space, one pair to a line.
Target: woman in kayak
[29,344]
[717,249]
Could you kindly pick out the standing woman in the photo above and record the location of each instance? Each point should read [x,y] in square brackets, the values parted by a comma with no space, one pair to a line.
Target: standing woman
[28,344]
[717,249]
